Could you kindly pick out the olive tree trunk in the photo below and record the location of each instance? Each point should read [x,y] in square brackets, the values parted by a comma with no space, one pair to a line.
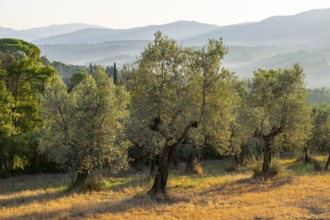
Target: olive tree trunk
[81,178]
[267,158]
[190,164]
[328,162]
[267,154]
[239,158]
[159,186]
[243,155]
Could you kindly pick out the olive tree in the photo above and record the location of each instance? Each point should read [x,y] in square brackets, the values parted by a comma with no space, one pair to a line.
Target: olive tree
[242,136]
[84,129]
[279,110]
[320,132]
[170,101]
[217,101]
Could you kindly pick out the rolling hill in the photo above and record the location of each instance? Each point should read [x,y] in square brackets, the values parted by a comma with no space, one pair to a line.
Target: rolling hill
[42,32]
[306,27]
[105,53]
[275,42]
[4,31]
[179,30]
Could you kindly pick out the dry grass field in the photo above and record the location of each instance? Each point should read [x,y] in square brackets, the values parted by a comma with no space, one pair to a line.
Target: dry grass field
[299,193]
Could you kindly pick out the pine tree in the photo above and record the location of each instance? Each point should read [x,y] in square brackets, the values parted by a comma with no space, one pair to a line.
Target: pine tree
[90,69]
[115,74]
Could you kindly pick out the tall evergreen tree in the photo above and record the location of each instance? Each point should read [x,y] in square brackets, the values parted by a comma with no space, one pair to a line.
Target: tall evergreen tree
[90,69]
[22,77]
[115,74]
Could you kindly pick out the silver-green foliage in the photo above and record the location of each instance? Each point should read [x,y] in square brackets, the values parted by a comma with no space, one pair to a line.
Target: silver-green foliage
[215,95]
[84,129]
[279,111]
[321,127]
[180,93]
[242,127]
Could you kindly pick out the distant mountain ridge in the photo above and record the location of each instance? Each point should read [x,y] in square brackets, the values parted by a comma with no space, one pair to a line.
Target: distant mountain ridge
[275,42]
[33,34]
[310,26]
[4,31]
[305,27]
[179,30]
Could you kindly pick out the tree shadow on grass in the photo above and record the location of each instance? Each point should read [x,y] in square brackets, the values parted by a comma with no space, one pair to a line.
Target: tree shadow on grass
[21,190]
[40,198]
[17,184]
[248,185]
[116,184]
[102,208]
[141,201]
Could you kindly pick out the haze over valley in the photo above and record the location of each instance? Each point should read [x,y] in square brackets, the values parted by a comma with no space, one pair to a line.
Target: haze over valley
[274,42]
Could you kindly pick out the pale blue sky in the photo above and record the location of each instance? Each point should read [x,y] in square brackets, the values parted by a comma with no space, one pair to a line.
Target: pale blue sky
[23,14]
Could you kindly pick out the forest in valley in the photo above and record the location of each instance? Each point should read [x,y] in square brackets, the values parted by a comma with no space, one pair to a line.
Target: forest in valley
[175,113]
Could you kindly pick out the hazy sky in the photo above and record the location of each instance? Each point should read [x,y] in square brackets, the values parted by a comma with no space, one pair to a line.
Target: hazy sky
[22,14]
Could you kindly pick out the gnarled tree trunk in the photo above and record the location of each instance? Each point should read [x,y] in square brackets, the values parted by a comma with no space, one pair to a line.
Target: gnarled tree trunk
[267,159]
[159,186]
[239,159]
[82,177]
[268,150]
[307,157]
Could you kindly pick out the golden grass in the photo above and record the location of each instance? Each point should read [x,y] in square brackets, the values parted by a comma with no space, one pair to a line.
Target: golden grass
[210,196]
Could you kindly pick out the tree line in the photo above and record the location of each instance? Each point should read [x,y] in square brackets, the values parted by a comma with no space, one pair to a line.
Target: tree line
[173,101]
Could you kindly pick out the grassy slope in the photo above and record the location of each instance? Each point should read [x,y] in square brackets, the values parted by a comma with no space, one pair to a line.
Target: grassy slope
[301,193]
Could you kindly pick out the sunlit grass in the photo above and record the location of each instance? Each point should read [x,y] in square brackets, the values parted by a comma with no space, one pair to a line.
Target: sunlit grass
[216,194]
